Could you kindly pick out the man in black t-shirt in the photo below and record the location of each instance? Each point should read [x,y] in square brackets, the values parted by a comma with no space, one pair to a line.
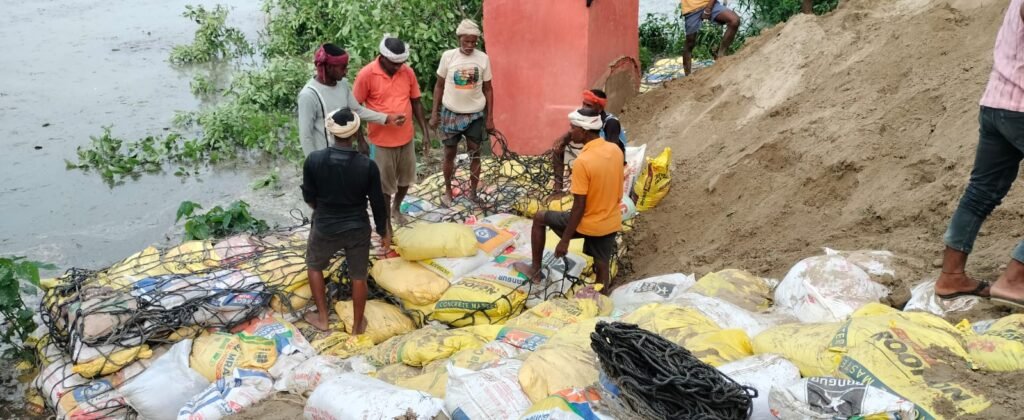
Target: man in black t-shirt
[337,182]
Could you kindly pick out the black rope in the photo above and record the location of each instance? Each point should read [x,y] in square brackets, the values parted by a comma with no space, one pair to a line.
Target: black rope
[659,379]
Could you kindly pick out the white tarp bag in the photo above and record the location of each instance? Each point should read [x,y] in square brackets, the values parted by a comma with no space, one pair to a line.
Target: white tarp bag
[489,394]
[923,299]
[826,288]
[229,395]
[762,372]
[160,391]
[659,289]
[352,396]
[830,398]
[730,316]
[305,377]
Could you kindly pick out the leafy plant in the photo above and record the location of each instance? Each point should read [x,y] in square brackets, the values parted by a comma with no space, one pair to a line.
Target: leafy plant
[272,181]
[18,276]
[114,158]
[214,40]
[202,87]
[768,13]
[218,222]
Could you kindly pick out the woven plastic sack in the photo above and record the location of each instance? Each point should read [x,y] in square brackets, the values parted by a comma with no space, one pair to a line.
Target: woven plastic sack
[435,240]
[653,183]
[478,302]
[1001,348]
[218,355]
[355,396]
[488,394]
[691,329]
[383,320]
[826,288]
[738,287]
[408,281]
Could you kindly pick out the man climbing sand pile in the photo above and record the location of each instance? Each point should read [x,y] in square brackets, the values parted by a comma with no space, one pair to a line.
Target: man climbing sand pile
[695,12]
[996,164]
[337,182]
[597,190]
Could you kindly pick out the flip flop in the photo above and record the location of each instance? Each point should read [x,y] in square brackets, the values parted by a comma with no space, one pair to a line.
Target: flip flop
[982,285]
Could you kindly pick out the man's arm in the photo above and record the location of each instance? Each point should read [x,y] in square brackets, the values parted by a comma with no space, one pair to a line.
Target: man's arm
[558,162]
[708,9]
[377,203]
[308,108]
[308,186]
[365,114]
[435,117]
[417,113]
[489,95]
[579,203]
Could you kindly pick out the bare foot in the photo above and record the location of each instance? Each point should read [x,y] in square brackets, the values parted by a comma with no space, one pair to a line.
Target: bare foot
[950,285]
[313,318]
[400,219]
[361,329]
[446,199]
[533,275]
[1010,286]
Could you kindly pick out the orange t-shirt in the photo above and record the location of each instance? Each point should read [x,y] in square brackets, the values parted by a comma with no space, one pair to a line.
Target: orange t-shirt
[597,174]
[690,6]
[389,95]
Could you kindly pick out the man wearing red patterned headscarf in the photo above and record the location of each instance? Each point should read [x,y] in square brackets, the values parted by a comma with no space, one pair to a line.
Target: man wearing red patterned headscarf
[327,91]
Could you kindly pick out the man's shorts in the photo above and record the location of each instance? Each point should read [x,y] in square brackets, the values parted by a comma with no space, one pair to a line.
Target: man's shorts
[455,127]
[397,167]
[321,248]
[602,248]
[693,20]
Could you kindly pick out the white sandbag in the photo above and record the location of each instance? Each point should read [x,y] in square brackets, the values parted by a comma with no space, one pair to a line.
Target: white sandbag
[160,391]
[728,315]
[923,299]
[352,396]
[305,377]
[829,398]
[762,372]
[826,288]
[229,395]
[634,164]
[491,394]
[658,289]
[558,276]
[454,269]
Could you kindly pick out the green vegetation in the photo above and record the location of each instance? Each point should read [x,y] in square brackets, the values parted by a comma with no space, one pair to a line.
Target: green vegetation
[664,36]
[18,276]
[272,181]
[219,222]
[214,39]
[255,115]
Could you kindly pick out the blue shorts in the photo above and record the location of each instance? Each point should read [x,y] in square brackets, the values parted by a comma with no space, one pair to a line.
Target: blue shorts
[693,20]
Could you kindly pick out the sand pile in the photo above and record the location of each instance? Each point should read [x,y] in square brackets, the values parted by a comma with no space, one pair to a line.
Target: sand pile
[853,130]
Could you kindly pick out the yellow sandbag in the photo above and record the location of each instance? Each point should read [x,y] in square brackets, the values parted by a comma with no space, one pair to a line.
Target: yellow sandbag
[341,344]
[565,361]
[396,372]
[433,380]
[420,314]
[142,264]
[738,287]
[190,257]
[298,299]
[897,350]
[575,246]
[530,206]
[654,181]
[217,355]
[182,333]
[478,302]
[534,327]
[425,241]
[279,269]
[806,345]
[408,281]
[423,346]
[106,365]
[383,320]
[689,328]
[1001,348]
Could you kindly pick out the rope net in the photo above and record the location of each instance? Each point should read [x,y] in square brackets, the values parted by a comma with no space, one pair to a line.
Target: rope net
[103,327]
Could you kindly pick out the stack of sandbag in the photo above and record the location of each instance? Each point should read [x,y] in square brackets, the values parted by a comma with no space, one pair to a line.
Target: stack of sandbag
[886,348]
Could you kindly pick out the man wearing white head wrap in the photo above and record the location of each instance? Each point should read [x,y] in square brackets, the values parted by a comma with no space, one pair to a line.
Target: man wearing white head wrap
[388,86]
[337,183]
[463,103]
[597,191]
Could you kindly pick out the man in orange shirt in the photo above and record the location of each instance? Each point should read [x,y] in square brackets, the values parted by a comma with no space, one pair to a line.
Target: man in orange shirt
[388,86]
[597,191]
[696,12]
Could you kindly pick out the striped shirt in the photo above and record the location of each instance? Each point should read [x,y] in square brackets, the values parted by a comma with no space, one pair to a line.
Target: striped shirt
[1006,83]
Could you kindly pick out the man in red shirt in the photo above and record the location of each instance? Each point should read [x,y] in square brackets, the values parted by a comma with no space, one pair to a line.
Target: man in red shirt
[389,86]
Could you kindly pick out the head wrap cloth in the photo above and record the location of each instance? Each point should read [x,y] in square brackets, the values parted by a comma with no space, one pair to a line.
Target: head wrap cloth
[338,130]
[589,96]
[391,56]
[468,27]
[587,123]
[322,59]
